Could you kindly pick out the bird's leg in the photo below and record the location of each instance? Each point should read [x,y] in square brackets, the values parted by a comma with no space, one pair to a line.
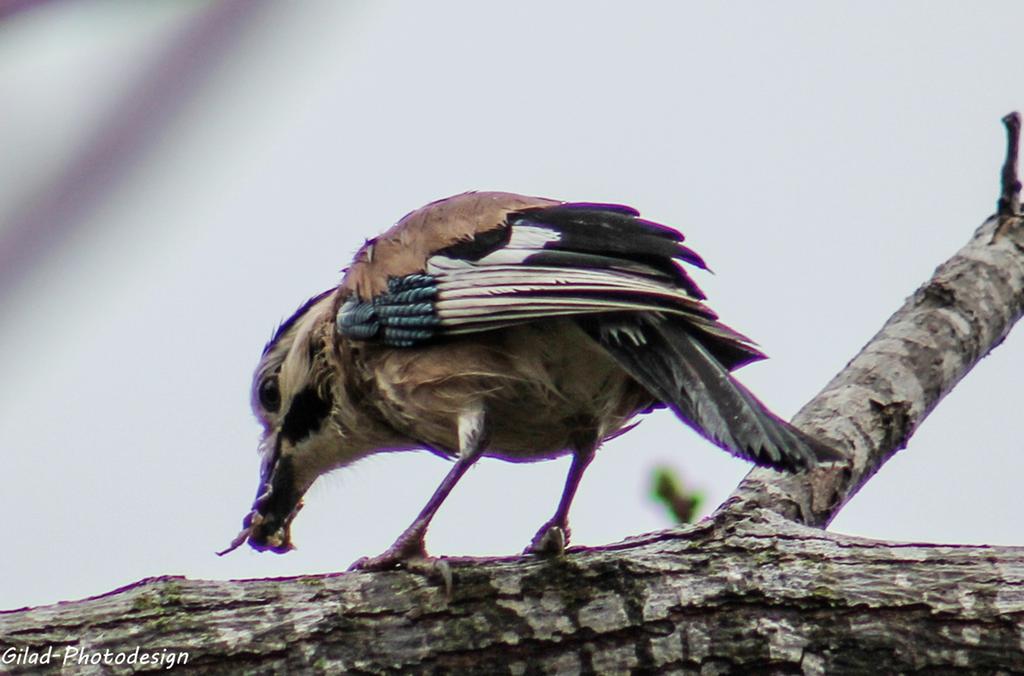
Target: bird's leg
[552,537]
[410,546]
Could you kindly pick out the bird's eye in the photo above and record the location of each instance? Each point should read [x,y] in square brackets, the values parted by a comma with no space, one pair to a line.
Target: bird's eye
[270,395]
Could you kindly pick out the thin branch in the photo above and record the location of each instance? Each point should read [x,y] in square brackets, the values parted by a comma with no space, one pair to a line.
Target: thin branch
[1009,200]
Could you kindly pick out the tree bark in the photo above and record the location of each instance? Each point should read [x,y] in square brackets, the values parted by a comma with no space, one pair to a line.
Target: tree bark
[762,594]
[756,587]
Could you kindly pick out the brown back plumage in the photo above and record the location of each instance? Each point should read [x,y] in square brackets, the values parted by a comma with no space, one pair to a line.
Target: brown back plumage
[404,248]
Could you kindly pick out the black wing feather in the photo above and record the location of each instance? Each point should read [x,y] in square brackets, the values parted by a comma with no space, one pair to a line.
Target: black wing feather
[677,368]
[590,228]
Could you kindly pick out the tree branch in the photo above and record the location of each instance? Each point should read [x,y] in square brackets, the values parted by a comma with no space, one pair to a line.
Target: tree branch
[751,589]
[874,405]
[759,595]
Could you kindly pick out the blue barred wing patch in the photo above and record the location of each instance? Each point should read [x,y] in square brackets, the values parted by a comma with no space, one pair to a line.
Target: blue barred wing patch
[401,317]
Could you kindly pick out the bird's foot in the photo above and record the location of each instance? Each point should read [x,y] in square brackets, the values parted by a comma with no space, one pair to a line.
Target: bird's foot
[549,541]
[409,553]
[402,553]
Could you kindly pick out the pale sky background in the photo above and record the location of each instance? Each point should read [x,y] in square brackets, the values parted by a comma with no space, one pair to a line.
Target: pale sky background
[176,178]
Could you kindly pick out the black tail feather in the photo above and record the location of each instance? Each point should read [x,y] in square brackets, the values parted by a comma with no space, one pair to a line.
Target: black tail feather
[664,356]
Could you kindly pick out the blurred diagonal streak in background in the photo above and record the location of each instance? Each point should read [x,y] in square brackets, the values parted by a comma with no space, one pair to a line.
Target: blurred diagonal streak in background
[9,8]
[45,217]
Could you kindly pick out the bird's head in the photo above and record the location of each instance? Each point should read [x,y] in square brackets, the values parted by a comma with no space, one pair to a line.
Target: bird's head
[293,398]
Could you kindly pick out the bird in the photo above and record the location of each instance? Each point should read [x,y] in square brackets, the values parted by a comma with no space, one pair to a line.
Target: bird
[501,325]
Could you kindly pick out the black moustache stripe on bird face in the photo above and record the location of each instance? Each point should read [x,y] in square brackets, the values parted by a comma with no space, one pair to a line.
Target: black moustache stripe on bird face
[279,500]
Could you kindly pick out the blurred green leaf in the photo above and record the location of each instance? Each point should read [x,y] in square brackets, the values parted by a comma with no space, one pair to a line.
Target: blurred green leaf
[667,488]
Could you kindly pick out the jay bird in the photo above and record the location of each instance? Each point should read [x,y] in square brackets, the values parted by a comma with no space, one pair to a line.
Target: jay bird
[514,327]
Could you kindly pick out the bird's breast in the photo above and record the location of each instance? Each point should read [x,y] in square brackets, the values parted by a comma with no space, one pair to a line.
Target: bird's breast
[546,388]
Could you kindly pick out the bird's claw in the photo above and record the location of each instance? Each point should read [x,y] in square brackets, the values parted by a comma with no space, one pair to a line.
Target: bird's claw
[406,548]
[389,560]
[549,541]
[418,562]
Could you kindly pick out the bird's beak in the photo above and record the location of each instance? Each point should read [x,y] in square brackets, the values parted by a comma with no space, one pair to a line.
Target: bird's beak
[268,525]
